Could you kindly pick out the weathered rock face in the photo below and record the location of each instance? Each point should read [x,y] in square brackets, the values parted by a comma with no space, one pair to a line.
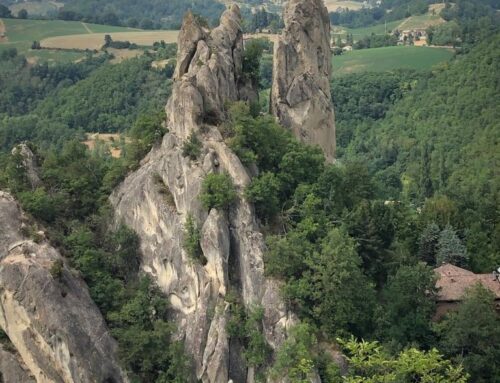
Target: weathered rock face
[50,319]
[230,241]
[28,161]
[12,369]
[300,96]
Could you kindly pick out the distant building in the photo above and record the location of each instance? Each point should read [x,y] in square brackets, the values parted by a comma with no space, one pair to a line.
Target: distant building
[347,48]
[453,282]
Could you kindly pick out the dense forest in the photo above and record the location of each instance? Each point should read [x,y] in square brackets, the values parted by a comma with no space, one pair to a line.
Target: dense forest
[154,14]
[416,184]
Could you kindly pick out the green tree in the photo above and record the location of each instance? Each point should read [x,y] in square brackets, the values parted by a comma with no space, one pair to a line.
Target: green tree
[428,244]
[264,193]
[4,11]
[471,335]
[343,297]
[409,304]
[217,191]
[370,363]
[22,14]
[295,359]
[192,147]
[450,249]
[192,237]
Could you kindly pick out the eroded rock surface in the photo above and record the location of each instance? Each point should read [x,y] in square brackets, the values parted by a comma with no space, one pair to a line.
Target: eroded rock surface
[300,95]
[48,314]
[12,369]
[206,79]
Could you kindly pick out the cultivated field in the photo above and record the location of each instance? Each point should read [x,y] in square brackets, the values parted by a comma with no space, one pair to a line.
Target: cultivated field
[72,35]
[96,40]
[388,59]
[333,5]
[420,22]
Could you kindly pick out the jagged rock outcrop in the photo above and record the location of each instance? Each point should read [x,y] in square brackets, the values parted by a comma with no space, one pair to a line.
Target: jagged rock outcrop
[47,311]
[300,95]
[28,161]
[12,369]
[206,79]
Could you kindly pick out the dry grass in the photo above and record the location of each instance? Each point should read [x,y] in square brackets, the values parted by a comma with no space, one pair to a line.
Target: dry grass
[96,40]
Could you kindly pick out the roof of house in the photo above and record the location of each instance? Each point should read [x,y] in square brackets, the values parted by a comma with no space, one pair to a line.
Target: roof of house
[453,282]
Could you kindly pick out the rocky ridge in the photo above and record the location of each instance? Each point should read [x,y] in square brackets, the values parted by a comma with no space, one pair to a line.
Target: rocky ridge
[208,75]
[300,94]
[47,312]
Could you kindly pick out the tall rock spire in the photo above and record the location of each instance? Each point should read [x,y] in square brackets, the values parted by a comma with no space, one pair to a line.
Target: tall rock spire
[300,97]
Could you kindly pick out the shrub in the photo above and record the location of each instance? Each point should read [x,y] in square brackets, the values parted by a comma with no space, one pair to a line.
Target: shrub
[192,238]
[192,147]
[264,193]
[164,190]
[56,270]
[218,191]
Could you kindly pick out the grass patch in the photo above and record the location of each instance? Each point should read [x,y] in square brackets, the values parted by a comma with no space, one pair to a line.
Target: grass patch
[388,59]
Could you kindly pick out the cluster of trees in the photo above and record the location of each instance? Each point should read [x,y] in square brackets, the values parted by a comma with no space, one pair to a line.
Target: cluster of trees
[155,14]
[435,147]
[49,104]
[386,11]
[261,19]
[469,22]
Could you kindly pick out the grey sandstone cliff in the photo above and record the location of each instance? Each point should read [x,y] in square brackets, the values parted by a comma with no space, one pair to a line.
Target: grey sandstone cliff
[12,369]
[50,319]
[208,75]
[300,95]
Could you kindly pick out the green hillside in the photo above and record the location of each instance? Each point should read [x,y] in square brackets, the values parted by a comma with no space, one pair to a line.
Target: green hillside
[440,141]
[389,58]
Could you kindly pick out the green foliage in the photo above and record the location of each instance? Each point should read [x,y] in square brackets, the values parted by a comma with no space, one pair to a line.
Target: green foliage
[450,249]
[192,147]
[471,335]
[264,193]
[246,326]
[429,244]
[57,268]
[295,359]
[155,14]
[370,363]
[217,191]
[251,60]
[434,141]
[192,237]
[409,305]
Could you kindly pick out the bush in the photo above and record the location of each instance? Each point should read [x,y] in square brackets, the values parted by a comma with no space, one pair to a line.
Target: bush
[56,270]
[192,147]
[264,193]
[192,238]
[218,191]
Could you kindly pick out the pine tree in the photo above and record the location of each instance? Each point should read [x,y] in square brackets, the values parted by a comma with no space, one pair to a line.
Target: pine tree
[450,248]
[428,245]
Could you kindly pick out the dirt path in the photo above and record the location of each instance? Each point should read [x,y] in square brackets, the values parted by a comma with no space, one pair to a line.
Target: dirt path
[3,31]
[87,28]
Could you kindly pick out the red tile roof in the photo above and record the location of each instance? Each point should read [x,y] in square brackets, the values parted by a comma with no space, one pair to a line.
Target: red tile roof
[453,281]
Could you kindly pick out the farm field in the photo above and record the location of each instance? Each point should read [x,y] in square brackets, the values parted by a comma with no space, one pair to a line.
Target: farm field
[378,29]
[388,59]
[96,40]
[20,34]
[421,22]
[332,5]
